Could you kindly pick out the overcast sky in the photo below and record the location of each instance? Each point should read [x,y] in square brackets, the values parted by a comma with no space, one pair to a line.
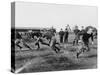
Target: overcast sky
[56,15]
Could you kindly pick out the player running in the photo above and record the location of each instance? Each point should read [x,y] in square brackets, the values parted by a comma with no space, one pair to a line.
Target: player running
[84,43]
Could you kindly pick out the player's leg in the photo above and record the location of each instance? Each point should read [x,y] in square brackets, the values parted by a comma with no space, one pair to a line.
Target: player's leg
[57,49]
[44,43]
[17,43]
[75,40]
[37,44]
[79,52]
[26,45]
[86,44]
[53,47]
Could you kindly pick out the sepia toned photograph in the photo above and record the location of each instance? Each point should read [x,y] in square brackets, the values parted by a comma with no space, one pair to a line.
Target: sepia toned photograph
[53,37]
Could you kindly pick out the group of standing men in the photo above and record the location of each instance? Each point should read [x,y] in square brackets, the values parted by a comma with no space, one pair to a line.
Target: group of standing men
[81,36]
[64,35]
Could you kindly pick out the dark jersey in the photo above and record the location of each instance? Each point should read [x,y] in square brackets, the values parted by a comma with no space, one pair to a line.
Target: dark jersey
[82,31]
[38,34]
[61,33]
[86,37]
[18,36]
[66,33]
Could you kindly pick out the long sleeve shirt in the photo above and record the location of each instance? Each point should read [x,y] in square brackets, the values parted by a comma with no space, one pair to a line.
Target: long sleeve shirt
[86,37]
[61,33]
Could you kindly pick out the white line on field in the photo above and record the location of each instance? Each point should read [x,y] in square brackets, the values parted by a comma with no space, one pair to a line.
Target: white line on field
[28,63]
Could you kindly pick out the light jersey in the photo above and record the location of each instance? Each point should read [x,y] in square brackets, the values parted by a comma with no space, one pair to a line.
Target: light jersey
[54,40]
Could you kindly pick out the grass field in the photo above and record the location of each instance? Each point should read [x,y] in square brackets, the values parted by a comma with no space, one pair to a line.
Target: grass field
[45,59]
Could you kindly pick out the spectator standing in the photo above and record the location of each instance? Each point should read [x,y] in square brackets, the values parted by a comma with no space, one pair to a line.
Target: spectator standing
[61,34]
[66,34]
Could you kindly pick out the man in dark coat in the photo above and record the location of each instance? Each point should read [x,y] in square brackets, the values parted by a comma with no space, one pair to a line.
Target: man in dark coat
[83,30]
[61,34]
[66,33]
